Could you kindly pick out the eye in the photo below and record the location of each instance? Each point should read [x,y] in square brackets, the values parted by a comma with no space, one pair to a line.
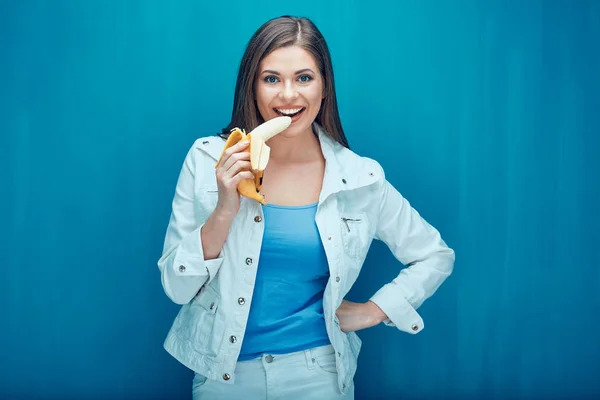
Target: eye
[305,78]
[271,79]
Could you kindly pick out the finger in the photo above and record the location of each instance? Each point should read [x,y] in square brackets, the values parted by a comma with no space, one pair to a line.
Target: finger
[236,148]
[243,175]
[235,157]
[240,165]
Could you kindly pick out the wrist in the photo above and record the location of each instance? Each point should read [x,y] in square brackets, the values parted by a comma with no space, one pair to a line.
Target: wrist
[377,315]
[221,216]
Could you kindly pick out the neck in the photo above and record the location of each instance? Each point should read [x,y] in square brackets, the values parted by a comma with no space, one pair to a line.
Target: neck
[295,149]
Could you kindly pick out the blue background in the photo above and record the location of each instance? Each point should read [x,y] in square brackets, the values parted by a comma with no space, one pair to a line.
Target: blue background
[485,115]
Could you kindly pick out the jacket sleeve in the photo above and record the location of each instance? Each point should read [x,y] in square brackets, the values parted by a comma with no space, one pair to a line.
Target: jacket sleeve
[182,266]
[417,245]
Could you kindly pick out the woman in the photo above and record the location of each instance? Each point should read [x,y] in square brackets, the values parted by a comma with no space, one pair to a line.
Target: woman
[262,286]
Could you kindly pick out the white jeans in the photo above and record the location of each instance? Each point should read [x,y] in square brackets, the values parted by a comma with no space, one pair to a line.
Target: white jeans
[308,374]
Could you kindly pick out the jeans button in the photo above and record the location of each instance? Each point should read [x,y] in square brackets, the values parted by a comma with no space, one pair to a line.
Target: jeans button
[269,358]
[248,261]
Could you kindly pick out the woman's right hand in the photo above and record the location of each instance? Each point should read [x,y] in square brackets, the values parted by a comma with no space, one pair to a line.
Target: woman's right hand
[234,167]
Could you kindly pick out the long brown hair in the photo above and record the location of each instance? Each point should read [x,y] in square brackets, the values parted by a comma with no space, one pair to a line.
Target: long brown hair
[275,33]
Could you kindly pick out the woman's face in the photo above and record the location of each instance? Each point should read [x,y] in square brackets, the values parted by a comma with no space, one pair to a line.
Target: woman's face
[289,83]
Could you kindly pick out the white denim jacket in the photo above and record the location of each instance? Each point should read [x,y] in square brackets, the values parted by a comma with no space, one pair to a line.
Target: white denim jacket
[356,205]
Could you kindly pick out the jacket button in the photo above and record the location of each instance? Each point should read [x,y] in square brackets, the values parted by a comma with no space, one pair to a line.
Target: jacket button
[415,327]
[337,278]
[212,305]
[226,377]
[241,301]
[269,358]
[232,339]
[205,142]
[371,174]
[344,180]
[182,268]
[248,261]
[258,218]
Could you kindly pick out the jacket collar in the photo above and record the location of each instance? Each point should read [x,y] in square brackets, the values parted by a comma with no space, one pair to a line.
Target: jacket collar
[344,169]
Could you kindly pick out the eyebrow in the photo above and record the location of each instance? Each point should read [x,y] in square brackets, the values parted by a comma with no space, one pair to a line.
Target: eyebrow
[269,71]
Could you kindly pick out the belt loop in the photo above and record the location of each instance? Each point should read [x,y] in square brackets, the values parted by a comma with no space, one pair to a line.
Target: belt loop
[309,359]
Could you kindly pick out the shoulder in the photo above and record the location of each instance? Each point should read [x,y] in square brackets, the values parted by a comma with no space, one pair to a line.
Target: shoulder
[358,164]
[348,161]
[201,158]
[206,147]
[210,144]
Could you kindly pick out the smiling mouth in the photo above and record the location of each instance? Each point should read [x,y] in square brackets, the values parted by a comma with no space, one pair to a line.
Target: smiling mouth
[289,112]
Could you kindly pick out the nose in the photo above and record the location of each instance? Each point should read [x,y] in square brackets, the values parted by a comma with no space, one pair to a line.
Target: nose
[288,92]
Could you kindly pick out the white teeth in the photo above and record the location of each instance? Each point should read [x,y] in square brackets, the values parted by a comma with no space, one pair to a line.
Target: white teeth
[289,112]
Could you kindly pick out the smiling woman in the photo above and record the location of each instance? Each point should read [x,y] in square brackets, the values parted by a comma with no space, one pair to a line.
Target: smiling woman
[263,284]
[283,90]
[286,54]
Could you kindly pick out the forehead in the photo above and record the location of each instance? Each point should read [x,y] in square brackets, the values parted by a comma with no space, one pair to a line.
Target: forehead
[289,58]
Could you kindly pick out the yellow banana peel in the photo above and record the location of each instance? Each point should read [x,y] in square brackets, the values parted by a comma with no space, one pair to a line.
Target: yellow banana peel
[259,153]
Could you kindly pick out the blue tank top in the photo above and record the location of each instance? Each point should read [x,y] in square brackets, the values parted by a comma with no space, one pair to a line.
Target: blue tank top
[286,312]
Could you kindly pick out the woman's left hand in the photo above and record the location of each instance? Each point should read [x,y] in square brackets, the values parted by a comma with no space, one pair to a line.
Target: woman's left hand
[357,316]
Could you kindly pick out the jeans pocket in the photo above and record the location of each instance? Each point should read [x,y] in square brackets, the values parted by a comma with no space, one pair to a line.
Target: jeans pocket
[325,363]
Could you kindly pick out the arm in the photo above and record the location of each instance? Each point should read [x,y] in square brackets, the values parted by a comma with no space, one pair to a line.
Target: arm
[416,244]
[192,252]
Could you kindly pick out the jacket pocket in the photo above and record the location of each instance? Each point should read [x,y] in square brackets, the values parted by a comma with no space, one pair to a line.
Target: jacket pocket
[208,298]
[201,323]
[354,228]
[206,200]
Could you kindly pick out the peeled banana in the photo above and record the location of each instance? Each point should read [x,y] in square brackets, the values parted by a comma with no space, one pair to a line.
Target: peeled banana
[259,153]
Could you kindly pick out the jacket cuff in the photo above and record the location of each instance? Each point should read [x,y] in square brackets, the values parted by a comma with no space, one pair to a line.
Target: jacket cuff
[212,266]
[190,258]
[400,312]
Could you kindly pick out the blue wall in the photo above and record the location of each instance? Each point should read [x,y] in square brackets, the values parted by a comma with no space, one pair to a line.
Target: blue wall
[494,111]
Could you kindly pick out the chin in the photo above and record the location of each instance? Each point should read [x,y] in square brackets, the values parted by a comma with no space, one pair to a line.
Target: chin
[294,131]
[289,133]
